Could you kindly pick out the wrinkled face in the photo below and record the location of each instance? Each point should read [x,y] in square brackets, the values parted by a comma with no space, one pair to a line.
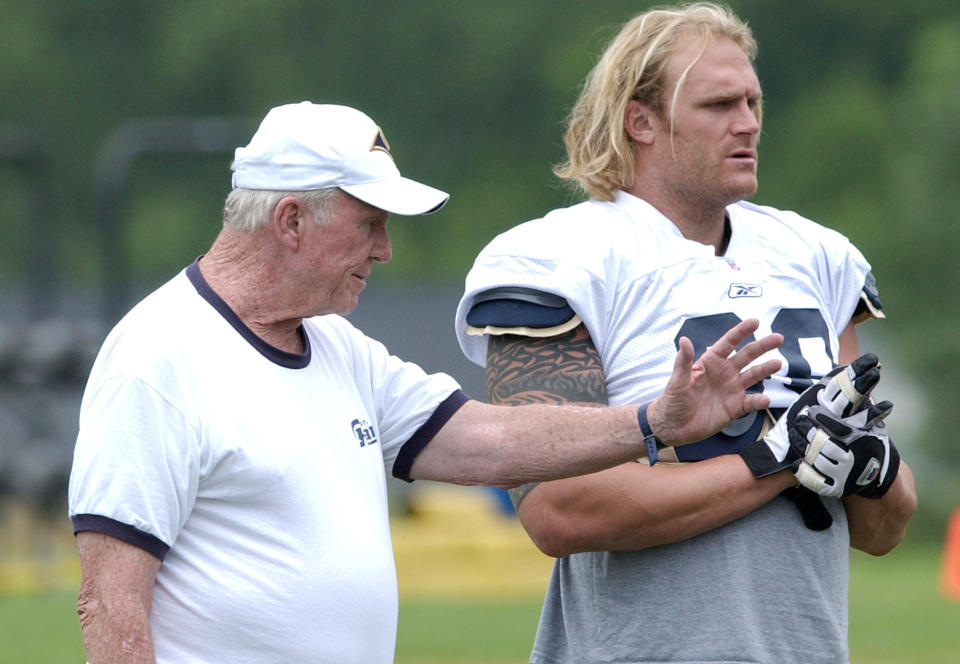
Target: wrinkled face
[710,159]
[340,255]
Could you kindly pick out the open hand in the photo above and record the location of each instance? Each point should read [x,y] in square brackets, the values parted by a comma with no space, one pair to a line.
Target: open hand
[704,396]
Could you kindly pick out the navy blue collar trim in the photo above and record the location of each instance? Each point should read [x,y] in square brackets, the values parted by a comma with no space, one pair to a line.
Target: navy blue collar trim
[272,353]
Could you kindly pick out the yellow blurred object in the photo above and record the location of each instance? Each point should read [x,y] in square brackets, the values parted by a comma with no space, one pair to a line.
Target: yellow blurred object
[35,554]
[457,542]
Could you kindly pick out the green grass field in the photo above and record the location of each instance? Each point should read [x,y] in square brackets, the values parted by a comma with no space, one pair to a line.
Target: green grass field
[897,615]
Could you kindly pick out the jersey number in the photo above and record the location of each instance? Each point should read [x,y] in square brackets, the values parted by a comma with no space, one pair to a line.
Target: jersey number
[805,337]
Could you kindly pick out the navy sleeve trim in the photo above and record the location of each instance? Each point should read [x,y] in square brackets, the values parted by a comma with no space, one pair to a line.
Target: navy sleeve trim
[122,531]
[423,435]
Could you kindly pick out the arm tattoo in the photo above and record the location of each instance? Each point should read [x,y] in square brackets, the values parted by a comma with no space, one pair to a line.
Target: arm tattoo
[555,370]
[518,493]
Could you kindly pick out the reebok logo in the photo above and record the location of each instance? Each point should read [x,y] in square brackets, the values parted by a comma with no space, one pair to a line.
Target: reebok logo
[364,432]
[745,290]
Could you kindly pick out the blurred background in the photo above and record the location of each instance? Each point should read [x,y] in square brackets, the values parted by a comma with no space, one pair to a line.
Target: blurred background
[118,121]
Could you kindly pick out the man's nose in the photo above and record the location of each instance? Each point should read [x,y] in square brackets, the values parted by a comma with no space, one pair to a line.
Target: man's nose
[382,250]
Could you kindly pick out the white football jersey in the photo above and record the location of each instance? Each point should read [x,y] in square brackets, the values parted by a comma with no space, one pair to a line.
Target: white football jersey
[638,285]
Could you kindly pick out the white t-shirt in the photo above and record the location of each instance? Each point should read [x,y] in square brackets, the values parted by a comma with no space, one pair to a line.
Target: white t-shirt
[257,476]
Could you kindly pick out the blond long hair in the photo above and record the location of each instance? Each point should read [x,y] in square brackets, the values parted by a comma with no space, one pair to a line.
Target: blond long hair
[634,66]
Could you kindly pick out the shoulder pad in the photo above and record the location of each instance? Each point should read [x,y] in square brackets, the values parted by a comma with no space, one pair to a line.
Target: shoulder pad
[869,305]
[521,311]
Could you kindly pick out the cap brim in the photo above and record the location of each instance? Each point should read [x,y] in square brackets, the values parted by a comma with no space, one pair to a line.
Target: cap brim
[399,196]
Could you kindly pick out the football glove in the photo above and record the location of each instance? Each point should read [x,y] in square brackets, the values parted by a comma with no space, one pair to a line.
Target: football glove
[844,391]
[843,458]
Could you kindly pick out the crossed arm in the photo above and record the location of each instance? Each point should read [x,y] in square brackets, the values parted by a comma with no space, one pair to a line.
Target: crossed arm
[634,506]
[877,526]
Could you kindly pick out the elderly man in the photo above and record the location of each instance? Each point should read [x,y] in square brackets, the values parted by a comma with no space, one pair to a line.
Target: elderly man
[700,560]
[228,488]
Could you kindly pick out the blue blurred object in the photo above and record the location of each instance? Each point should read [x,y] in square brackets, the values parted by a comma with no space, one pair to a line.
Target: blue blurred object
[504,504]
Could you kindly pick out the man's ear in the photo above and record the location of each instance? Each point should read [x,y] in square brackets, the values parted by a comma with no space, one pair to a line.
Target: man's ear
[287,221]
[637,122]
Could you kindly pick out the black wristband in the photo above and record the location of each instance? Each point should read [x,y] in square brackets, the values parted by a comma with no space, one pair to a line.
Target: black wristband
[653,443]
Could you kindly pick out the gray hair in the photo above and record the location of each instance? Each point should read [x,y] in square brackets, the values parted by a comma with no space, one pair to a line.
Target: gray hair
[249,210]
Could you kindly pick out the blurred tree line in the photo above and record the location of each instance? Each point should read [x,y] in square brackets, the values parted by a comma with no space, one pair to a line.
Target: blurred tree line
[861,132]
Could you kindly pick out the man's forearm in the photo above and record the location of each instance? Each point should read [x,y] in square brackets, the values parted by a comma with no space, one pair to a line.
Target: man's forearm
[115,631]
[877,526]
[115,598]
[634,507]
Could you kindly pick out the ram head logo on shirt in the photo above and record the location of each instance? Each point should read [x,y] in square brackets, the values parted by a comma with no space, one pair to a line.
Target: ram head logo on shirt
[364,432]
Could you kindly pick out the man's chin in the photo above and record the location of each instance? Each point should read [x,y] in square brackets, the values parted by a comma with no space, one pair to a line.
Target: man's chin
[743,191]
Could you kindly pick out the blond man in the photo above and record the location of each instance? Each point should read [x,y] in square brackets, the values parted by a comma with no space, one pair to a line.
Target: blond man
[708,558]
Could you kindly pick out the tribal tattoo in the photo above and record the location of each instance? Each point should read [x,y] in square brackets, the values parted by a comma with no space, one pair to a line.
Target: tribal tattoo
[555,370]
[561,369]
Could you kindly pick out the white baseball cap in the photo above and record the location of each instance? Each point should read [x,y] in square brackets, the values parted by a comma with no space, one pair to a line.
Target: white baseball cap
[299,147]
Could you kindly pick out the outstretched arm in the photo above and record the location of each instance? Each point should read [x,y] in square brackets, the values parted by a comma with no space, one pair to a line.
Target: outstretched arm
[507,446]
[631,506]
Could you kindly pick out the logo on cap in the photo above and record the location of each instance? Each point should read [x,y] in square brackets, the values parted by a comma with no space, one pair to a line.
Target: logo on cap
[380,143]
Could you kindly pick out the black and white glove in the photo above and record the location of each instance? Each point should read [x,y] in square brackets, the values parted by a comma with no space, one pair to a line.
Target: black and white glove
[844,391]
[843,457]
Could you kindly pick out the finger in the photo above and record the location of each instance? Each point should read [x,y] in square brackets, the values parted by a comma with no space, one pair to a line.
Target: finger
[809,477]
[872,416]
[683,363]
[882,407]
[834,425]
[733,337]
[818,438]
[830,457]
[878,412]
[856,381]
[752,402]
[757,348]
[852,386]
[864,363]
[754,375]
[863,384]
